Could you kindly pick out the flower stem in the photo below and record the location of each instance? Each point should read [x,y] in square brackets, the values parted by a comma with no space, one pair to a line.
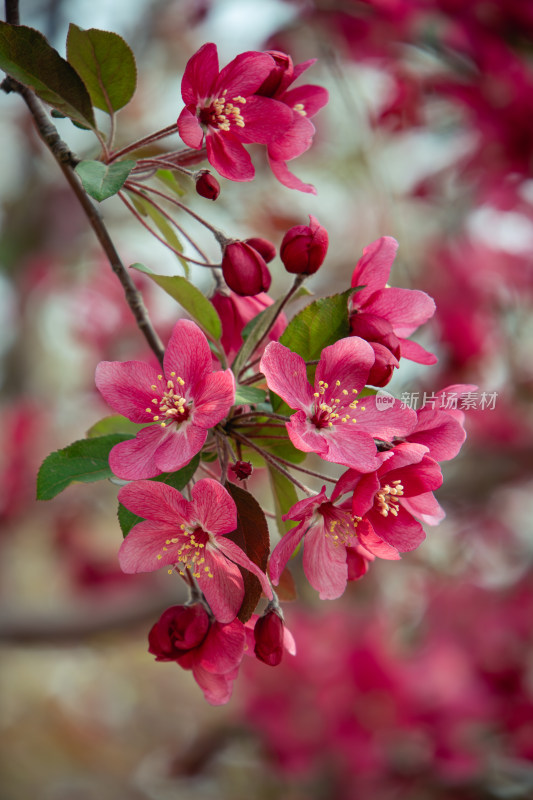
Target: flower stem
[274,460]
[153,137]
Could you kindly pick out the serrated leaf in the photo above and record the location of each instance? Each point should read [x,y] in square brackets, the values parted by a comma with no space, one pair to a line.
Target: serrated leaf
[252,537]
[285,496]
[249,395]
[115,423]
[106,65]
[103,180]
[28,58]
[84,461]
[190,298]
[127,519]
[146,208]
[261,324]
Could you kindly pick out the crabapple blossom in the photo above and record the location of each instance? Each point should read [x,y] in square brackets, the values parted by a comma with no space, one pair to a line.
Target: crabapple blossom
[189,536]
[211,649]
[245,270]
[334,538]
[267,637]
[330,419]
[185,400]
[304,247]
[221,105]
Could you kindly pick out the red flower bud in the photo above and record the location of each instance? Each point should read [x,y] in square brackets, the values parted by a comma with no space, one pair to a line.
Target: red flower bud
[304,247]
[241,470]
[263,247]
[386,345]
[268,635]
[207,185]
[245,270]
[179,629]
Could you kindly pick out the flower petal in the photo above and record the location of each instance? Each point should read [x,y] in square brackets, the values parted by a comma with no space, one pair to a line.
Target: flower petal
[286,177]
[223,648]
[126,386]
[144,543]
[225,590]
[352,447]
[214,507]
[155,501]
[263,120]
[324,564]
[424,507]
[200,76]
[348,361]
[284,550]
[286,375]
[385,422]
[373,268]
[244,74]
[405,309]
[217,689]
[238,556]
[190,129]
[402,532]
[134,459]
[228,156]
[181,444]
[214,397]
[188,355]
[415,352]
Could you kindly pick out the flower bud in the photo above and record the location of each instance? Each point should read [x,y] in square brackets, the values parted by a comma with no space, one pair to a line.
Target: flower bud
[384,342]
[207,185]
[263,247]
[179,629]
[304,248]
[268,636]
[241,470]
[245,270]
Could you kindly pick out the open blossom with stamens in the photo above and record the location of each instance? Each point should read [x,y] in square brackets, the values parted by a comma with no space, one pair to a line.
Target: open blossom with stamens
[388,315]
[222,105]
[189,536]
[332,534]
[401,489]
[181,403]
[330,419]
[212,650]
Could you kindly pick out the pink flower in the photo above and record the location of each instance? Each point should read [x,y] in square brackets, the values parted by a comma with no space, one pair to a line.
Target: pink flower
[332,537]
[388,498]
[330,420]
[304,247]
[222,105]
[189,535]
[304,102]
[267,637]
[398,312]
[212,650]
[245,270]
[236,312]
[186,400]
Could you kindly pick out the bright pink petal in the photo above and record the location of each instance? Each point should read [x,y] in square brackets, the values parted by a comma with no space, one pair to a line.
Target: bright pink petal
[384,422]
[225,590]
[286,375]
[126,386]
[311,97]
[424,507]
[351,447]
[214,397]
[286,177]
[244,74]
[304,509]
[144,543]
[440,432]
[214,507]
[190,129]
[402,455]
[188,355]
[181,444]
[284,550]
[347,361]
[324,564]
[263,120]
[155,501]
[363,497]
[405,309]
[295,139]
[402,532]
[135,459]
[228,156]
[223,648]
[371,541]
[415,352]
[217,689]
[373,268]
[305,436]
[201,73]
[238,556]
[416,478]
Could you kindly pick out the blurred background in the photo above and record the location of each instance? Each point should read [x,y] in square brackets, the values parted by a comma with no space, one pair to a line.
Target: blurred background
[418,683]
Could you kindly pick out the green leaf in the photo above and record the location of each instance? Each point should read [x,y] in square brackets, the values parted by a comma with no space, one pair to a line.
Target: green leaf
[147,208]
[251,536]
[28,58]
[285,496]
[106,65]
[190,298]
[103,180]
[169,179]
[115,423]
[249,395]
[261,324]
[127,519]
[84,461]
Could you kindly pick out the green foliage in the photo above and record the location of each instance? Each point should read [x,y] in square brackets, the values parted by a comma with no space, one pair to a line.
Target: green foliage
[115,423]
[190,298]
[251,536]
[84,461]
[28,58]
[285,496]
[106,65]
[255,330]
[249,395]
[147,209]
[101,181]
[127,519]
